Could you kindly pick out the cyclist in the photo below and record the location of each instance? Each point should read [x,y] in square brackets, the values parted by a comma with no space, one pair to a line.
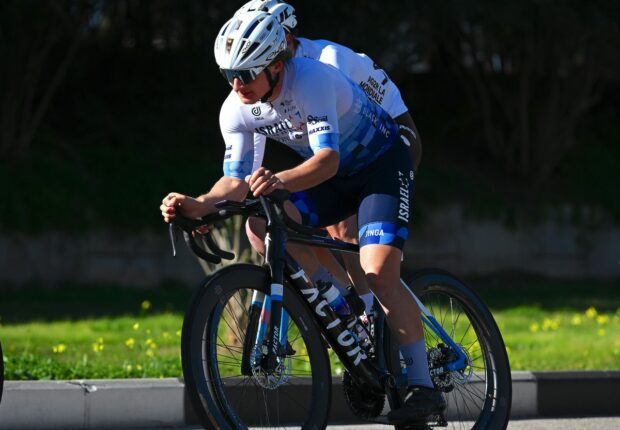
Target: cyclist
[363,70]
[354,163]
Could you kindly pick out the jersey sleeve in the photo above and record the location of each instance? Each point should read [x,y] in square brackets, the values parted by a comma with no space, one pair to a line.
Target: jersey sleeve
[260,141]
[318,93]
[239,141]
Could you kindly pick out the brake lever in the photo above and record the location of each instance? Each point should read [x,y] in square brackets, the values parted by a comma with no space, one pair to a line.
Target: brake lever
[172,233]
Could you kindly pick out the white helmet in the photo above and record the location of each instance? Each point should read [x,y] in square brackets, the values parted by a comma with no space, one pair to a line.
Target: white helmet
[284,12]
[247,44]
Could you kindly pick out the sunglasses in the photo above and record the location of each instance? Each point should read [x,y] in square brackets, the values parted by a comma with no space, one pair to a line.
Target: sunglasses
[245,76]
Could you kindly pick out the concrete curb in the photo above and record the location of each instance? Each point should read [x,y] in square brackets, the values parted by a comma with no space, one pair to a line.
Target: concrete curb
[162,402]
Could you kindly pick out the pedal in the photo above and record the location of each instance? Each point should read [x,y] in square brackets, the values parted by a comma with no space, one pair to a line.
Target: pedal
[438,420]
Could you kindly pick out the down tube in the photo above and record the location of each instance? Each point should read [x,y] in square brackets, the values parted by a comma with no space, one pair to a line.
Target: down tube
[343,342]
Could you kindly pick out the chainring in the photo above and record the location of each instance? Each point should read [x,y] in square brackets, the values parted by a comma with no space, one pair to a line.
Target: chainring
[364,404]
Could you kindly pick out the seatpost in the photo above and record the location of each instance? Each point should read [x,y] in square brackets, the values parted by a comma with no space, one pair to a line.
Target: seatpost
[275,248]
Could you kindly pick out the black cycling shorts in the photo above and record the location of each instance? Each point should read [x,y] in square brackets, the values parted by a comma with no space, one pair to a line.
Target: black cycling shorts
[381,195]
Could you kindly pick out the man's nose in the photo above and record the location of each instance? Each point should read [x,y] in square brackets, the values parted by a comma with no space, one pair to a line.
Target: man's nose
[237,84]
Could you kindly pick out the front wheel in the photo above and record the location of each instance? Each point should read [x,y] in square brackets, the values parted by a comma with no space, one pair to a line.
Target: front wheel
[478,396]
[223,392]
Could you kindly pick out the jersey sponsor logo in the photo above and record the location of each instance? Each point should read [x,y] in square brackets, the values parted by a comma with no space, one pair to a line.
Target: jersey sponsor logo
[275,129]
[288,106]
[373,89]
[317,129]
[256,111]
[376,122]
[376,232]
[403,206]
[316,119]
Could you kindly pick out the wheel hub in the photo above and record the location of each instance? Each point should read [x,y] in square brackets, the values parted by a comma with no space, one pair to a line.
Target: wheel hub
[270,379]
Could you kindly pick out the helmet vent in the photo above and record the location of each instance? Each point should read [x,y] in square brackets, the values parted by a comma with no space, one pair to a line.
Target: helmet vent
[249,51]
[250,30]
[229,43]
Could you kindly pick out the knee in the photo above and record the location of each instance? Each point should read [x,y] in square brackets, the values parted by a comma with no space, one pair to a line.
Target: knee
[255,230]
[382,282]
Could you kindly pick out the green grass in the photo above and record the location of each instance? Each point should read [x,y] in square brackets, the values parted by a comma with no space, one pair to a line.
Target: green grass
[79,333]
[119,347]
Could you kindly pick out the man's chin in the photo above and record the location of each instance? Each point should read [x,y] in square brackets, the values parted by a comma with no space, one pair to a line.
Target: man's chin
[248,99]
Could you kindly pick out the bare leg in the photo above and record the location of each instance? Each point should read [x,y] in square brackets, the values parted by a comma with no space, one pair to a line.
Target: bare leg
[381,263]
[347,231]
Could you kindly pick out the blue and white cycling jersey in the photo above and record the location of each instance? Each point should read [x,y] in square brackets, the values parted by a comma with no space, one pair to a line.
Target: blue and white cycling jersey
[360,68]
[318,108]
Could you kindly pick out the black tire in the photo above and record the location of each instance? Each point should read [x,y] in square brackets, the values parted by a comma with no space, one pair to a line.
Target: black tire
[480,396]
[221,395]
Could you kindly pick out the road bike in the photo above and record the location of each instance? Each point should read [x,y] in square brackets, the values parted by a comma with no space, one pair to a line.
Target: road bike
[255,340]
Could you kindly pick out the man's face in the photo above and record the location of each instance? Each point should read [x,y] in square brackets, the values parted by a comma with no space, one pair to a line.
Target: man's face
[251,92]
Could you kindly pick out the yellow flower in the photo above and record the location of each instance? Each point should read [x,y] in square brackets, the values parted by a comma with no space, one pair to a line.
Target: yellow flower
[130,342]
[576,320]
[97,347]
[601,332]
[178,333]
[150,353]
[146,305]
[139,368]
[602,319]
[534,327]
[591,312]
[153,345]
[59,349]
[550,324]
[166,335]
[136,326]
[128,368]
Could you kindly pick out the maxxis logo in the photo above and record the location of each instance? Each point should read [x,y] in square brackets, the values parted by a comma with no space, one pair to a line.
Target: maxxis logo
[256,111]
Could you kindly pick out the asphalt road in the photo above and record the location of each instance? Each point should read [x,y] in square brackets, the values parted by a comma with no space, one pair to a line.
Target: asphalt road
[555,424]
[546,424]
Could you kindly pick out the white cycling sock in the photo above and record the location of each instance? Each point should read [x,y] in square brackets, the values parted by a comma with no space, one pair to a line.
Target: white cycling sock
[416,361]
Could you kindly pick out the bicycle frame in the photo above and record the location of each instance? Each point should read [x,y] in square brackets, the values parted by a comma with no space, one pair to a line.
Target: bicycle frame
[344,343]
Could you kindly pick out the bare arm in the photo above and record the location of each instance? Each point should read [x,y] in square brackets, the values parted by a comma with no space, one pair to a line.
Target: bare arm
[315,170]
[227,188]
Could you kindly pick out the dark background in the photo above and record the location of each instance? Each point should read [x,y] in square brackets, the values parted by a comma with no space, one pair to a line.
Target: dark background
[105,106]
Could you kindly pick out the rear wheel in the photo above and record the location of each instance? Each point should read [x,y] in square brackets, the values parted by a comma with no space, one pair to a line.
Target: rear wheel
[226,395]
[478,396]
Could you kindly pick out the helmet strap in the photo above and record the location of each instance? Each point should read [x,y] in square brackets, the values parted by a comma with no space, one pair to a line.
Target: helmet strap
[272,85]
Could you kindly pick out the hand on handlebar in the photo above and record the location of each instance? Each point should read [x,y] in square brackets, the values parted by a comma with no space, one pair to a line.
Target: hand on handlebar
[263,182]
[173,202]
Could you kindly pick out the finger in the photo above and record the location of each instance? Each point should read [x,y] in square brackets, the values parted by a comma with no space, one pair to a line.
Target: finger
[265,185]
[275,185]
[256,174]
[257,182]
